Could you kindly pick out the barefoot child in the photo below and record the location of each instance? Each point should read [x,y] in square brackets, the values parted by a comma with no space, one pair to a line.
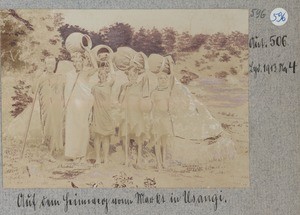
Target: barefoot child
[132,125]
[161,130]
[161,121]
[102,122]
[131,96]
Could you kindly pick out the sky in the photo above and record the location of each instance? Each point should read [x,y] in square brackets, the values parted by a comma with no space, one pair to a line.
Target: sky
[204,21]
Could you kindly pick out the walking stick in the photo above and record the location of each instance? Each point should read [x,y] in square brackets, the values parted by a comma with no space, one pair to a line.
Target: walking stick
[126,137]
[28,125]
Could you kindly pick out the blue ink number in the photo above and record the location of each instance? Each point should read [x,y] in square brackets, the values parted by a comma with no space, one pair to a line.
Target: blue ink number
[279,17]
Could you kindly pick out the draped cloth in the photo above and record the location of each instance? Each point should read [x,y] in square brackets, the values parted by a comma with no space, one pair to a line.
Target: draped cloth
[102,120]
[133,121]
[133,97]
[47,116]
[79,101]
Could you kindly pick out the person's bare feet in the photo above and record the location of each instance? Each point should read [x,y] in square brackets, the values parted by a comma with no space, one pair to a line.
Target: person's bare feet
[97,162]
[159,166]
[126,163]
[105,161]
[138,166]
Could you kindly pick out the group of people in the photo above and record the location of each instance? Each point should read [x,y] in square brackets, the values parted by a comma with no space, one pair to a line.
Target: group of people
[75,109]
[73,112]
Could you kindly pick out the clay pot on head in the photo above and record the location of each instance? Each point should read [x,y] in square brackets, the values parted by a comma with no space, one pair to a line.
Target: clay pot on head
[78,42]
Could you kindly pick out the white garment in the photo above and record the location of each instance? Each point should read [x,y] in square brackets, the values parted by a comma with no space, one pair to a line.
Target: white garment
[78,110]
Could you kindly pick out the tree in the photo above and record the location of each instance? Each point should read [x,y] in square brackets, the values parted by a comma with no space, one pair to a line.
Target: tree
[197,41]
[13,33]
[184,42]
[169,40]
[119,35]
[43,40]
[219,41]
[140,40]
[148,41]
[155,43]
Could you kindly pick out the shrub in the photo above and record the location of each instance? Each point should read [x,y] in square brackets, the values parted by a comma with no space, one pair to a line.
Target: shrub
[21,98]
[122,180]
[221,74]
[150,182]
[233,71]
[211,55]
[225,58]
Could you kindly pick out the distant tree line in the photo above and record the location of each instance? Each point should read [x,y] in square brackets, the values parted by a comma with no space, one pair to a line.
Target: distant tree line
[165,41]
[27,38]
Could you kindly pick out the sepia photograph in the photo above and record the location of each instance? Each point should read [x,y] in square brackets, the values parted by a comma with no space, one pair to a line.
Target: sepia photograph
[124,98]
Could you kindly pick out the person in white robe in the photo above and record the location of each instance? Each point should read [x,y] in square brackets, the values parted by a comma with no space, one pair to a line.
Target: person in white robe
[78,106]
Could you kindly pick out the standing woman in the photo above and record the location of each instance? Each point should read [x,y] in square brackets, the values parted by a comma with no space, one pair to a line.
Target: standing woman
[131,97]
[79,102]
[57,101]
[44,86]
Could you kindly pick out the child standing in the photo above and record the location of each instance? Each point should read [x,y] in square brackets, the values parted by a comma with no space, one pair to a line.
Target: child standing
[162,129]
[131,97]
[161,121]
[102,121]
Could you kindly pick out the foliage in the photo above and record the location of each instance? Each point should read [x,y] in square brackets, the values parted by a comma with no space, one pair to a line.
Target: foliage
[183,42]
[13,33]
[211,55]
[21,98]
[150,182]
[169,36]
[221,75]
[122,35]
[197,41]
[233,71]
[27,38]
[225,58]
[122,180]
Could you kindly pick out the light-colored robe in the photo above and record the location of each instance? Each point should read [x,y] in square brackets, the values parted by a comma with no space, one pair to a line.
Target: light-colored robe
[78,111]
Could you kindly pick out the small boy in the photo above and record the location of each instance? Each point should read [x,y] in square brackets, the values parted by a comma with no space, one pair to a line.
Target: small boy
[102,121]
[161,121]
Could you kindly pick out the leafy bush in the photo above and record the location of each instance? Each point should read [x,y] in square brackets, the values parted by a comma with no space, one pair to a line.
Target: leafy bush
[21,98]
[225,58]
[122,180]
[233,71]
[221,75]
[211,55]
[150,182]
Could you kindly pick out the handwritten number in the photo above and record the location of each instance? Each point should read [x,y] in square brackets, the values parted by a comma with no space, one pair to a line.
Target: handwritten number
[258,13]
[275,17]
[292,65]
[279,17]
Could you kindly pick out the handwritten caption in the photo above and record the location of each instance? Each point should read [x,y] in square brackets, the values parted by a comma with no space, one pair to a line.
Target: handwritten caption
[289,67]
[70,201]
[272,41]
[275,41]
